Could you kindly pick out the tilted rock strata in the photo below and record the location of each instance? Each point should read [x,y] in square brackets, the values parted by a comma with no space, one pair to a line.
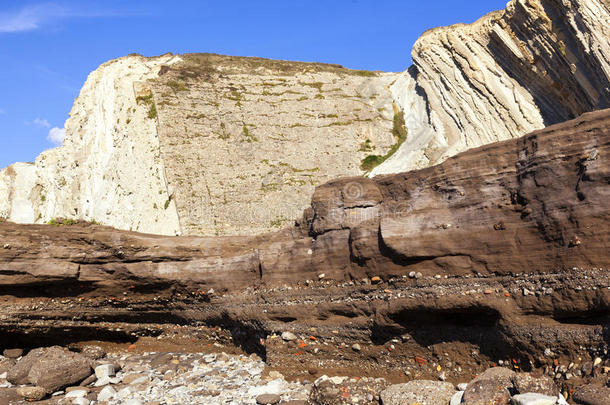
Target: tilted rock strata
[537,63]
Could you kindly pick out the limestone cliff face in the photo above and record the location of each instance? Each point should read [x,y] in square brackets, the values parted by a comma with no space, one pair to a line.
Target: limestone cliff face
[205,144]
[536,63]
[245,140]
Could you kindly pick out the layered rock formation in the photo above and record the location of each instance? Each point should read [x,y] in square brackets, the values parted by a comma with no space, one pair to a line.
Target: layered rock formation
[501,249]
[537,63]
[211,145]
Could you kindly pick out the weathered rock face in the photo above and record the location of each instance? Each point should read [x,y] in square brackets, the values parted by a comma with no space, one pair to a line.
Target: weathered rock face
[245,140]
[537,63]
[203,144]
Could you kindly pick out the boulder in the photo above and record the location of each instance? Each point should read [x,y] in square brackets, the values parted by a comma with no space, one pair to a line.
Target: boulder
[526,383]
[9,396]
[592,395]
[492,386]
[51,368]
[342,390]
[6,365]
[106,394]
[420,391]
[104,370]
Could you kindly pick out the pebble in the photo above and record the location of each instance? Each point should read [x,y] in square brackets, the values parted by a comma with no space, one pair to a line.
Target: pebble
[106,394]
[105,370]
[356,347]
[533,399]
[32,393]
[376,280]
[597,362]
[80,401]
[289,336]
[268,399]
[77,393]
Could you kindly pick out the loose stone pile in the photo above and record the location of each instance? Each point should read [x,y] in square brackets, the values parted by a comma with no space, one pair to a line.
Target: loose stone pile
[56,375]
[152,378]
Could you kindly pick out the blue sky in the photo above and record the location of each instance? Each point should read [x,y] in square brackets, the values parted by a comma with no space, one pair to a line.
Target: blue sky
[47,49]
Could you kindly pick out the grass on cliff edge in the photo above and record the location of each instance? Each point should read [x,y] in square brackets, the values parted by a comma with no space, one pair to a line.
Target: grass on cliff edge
[399,130]
[148,100]
[206,65]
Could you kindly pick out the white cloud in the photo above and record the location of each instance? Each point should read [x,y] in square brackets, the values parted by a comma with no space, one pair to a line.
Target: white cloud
[42,123]
[29,17]
[56,135]
[32,17]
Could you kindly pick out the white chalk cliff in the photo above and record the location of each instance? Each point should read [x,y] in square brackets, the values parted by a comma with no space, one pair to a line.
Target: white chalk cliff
[105,171]
[207,144]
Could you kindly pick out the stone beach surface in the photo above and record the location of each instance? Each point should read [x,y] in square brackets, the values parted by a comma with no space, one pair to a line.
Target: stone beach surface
[132,378]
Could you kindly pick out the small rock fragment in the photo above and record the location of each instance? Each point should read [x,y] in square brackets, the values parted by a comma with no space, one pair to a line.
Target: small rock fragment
[106,394]
[533,399]
[456,399]
[356,347]
[288,336]
[12,353]
[32,393]
[268,399]
[105,370]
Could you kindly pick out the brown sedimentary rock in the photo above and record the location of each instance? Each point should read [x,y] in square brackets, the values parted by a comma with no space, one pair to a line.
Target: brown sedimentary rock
[519,228]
